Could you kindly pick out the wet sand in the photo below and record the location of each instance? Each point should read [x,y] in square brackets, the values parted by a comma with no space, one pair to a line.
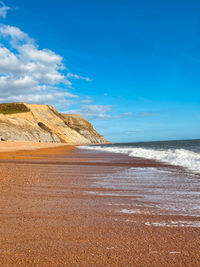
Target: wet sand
[59,207]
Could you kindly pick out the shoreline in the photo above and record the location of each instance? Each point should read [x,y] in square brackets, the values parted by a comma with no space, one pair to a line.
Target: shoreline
[186,157]
[62,207]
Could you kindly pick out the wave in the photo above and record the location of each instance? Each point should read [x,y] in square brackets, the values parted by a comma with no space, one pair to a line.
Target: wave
[180,157]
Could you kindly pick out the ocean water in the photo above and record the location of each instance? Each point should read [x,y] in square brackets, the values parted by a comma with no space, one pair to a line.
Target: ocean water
[184,153]
[152,190]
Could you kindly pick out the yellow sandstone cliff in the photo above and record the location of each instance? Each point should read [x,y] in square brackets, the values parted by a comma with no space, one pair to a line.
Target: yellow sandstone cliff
[43,123]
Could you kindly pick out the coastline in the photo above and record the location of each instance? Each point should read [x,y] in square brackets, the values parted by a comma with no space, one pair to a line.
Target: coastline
[59,207]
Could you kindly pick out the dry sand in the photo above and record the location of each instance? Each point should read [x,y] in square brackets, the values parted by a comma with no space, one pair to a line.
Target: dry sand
[49,215]
[10,146]
[25,149]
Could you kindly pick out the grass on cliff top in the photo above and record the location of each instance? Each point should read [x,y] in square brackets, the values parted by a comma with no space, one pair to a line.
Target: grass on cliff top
[12,108]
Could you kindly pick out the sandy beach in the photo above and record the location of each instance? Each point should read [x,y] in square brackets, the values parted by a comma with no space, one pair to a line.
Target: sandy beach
[11,146]
[64,206]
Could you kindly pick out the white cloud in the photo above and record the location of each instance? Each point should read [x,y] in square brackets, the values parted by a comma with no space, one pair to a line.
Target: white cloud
[15,36]
[15,85]
[99,112]
[30,52]
[94,111]
[40,98]
[8,61]
[3,10]
[78,77]
[88,100]
[28,73]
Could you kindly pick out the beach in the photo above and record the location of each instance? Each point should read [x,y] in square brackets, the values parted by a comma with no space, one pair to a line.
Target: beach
[65,206]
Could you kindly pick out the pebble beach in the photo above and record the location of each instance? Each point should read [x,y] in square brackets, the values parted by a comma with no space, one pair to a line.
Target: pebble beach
[65,206]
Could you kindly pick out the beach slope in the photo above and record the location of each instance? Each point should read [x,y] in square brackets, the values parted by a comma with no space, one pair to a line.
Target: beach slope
[64,207]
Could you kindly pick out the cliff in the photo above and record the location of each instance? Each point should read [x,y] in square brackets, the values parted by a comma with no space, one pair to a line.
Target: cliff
[43,123]
[83,127]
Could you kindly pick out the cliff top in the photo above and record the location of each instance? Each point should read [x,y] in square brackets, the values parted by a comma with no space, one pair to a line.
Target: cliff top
[12,108]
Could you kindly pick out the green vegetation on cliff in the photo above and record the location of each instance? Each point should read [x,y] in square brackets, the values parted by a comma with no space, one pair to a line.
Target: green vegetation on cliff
[12,108]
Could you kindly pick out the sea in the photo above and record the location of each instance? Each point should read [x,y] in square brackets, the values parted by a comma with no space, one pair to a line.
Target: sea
[184,153]
[155,190]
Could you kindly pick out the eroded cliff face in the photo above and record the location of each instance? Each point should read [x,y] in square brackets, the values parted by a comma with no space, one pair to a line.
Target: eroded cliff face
[83,127]
[42,123]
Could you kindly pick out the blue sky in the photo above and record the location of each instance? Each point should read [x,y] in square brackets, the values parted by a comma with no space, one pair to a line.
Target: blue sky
[131,67]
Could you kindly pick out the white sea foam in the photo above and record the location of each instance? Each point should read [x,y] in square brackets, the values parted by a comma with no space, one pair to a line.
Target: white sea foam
[179,157]
[174,224]
[131,211]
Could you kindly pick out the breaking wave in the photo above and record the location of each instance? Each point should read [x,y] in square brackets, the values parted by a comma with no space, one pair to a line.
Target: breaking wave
[180,157]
